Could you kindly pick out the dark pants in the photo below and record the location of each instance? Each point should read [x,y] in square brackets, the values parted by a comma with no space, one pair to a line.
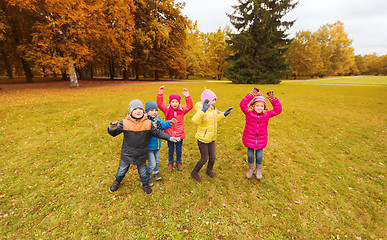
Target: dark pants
[123,168]
[207,152]
[171,151]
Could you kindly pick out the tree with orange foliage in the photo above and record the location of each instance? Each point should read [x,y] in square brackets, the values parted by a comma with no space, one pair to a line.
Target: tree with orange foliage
[74,30]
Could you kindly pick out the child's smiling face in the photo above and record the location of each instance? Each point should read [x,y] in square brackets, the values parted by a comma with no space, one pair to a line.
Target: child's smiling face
[152,113]
[174,103]
[259,107]
[137,113]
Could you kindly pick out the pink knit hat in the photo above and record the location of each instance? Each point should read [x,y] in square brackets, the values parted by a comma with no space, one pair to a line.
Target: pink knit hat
[174,96]
[258,98]
[207,94]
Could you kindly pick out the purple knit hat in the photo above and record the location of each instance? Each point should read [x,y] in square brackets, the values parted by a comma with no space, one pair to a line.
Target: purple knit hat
[174,96]
[258,98]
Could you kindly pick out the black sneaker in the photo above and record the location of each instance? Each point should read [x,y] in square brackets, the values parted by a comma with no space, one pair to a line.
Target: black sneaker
[157,176]
[114,186]
[147,188]
[150,183]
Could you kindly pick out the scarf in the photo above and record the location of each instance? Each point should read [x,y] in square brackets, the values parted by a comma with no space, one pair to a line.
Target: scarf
[155,120]
[171,112]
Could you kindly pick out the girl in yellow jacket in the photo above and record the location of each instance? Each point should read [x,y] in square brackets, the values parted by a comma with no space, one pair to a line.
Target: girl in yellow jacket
[206,117]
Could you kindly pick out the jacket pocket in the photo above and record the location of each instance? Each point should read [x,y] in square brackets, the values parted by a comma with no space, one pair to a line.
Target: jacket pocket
[204,136]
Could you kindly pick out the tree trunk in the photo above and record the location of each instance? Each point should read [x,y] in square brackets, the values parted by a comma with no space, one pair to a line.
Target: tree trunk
[27,70]
[86,72]
[125,74]
[111,68]
[157,75]
[6,62]
[64,75]
[73,74]
[136,70]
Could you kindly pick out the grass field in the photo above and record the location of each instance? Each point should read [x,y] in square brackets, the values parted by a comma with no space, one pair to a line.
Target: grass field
[323,175]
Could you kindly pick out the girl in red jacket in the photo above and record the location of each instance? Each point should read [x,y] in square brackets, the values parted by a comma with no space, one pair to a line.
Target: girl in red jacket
[177,111]
[255,133]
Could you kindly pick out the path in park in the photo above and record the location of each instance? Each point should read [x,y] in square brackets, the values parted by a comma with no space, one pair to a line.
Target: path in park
[96,83]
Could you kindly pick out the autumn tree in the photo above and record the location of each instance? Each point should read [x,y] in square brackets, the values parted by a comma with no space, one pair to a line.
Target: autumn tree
[72,32]
[336,51]
[160,39]
[304,55]
[17,23]
[194,51]
[216,52]
[259,46]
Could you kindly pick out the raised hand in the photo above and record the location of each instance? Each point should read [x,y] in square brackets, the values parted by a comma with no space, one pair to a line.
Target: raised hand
[270,95]
[206,105]
[185,92]
[161,90]
[255,92]
[113,126]
[228,111]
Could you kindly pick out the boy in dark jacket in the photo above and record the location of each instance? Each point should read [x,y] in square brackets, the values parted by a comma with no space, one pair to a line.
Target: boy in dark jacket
[137,129]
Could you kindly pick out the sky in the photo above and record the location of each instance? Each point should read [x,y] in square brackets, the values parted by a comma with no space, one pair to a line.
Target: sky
[365,21]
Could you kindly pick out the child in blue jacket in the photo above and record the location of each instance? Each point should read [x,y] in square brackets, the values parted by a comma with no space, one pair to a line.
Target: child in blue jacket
[154,143]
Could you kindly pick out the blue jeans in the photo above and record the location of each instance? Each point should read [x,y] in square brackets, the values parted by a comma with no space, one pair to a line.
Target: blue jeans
[153,162]
[258,155]
[123,168]
[171,151]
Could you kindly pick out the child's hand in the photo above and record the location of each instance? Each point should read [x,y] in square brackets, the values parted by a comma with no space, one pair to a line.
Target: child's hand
[174,139]
[155,123]
[206,105]
[161,90]
[185,92]
[228,111]
[270,96]
[113,126]
[255,92]
[173,121]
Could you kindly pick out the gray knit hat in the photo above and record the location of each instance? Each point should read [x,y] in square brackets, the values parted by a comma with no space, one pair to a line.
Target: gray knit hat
[135,104]
[150,106]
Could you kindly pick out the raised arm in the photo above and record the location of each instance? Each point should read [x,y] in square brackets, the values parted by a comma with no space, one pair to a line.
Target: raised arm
[115,128]
[160,100]
[277,107]
[245,101]
[188,101]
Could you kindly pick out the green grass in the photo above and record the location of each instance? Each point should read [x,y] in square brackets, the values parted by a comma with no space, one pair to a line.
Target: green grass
[323,176]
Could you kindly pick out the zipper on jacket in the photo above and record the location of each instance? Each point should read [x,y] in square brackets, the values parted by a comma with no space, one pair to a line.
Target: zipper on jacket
[205,133]
[214,122]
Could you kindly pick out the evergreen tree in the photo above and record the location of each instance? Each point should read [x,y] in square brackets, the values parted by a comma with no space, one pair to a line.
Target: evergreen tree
[259,46]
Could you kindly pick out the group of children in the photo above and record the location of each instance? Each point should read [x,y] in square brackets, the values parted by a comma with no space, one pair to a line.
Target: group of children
[143,129]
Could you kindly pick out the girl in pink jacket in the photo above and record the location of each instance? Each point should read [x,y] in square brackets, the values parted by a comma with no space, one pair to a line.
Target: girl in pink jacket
[177,111]
[255,133]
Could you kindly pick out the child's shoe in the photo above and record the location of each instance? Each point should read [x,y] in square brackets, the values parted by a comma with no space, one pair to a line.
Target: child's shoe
[114,186]
[157,176]
[251,170]
[147,188]
[259,173]
[195,175]
[211,174]
[179,166]
[170,167]
[150,183]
